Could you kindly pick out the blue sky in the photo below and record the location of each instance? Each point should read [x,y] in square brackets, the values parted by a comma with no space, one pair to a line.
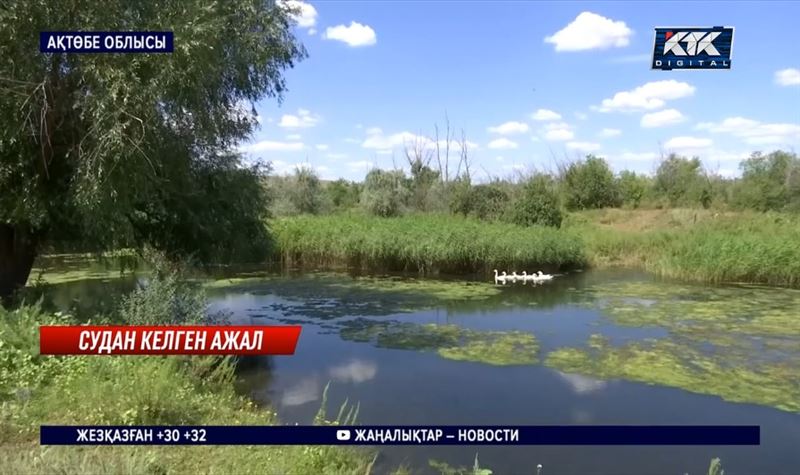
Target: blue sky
[529,83]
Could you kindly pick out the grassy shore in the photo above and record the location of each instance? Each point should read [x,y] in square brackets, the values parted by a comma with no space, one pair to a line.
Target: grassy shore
[429,244]
[692,245]
[36,390]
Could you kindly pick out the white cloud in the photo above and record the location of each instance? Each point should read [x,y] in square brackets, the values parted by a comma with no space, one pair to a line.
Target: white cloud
[662,118]
[788,77]
[383,144]
[303,119]
[322,147]
[312,31]
[558,131]
[638,156]
[607,133]
[652,95]
[351,140]
[591,31]
[360,165]
[294,137]
[377,140]
[354,35]
[755,132]
[307,14]
[272,146]
[509,128]
[502,144]
[581,115]
[687,143]
[336,156]
[545,115]
[583,146]
[356,371]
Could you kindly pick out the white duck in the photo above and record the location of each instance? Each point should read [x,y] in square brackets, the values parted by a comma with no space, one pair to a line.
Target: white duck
[515,277]
[541,276]
[500,279]
[528,278]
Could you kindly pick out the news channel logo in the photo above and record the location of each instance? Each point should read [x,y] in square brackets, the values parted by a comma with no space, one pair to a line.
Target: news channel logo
[342,434]
[693,48]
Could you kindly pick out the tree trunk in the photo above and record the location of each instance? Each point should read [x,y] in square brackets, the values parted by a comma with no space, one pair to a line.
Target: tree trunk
[18,248]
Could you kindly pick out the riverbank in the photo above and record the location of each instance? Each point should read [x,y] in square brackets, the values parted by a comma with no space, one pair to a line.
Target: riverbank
[36,390]
[692,245]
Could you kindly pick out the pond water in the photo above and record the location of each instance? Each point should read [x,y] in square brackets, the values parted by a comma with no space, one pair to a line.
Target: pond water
[601,347]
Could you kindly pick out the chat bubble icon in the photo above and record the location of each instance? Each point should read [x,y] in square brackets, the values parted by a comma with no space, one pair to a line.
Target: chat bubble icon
[343,434]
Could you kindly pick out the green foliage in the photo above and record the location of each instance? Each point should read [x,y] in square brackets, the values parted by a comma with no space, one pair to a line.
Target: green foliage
[305,191]
[460,195]
[127,149]
[385,193]
[590,184]
[445,469]
[632,188]
[715,468]
[422,183]
[136,390]
[488,202]
[424,243]
[166,299]
[680,180]
[343,194]
[769,182]
[746,247]
[538,205]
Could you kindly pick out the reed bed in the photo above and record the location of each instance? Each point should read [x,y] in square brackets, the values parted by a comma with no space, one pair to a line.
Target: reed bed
[428,244]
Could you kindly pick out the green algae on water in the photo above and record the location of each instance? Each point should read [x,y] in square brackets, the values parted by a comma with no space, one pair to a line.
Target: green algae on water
[499,348]
[669,363]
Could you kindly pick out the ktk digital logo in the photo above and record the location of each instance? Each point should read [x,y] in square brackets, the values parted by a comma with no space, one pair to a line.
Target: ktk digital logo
[693,48]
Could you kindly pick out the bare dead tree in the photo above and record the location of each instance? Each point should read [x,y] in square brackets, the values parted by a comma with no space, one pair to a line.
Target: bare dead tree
[464,158]
[438,152]
[448,138]
[419,151]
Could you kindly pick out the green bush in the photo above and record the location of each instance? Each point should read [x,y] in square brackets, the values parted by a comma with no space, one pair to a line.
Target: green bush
[488,201]
[385,193]
[590,184]
[632,188]
[422,186]
[680,181]
[460,196]
[343,194]
[305,192]
[769,182]
[539,204]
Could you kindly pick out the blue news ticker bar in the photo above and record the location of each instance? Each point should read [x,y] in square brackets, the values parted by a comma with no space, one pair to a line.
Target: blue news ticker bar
[400,435]
[106,42]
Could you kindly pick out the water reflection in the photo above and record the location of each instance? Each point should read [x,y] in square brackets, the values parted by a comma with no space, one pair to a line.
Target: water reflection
[582,384]
[306,391]
[354,371]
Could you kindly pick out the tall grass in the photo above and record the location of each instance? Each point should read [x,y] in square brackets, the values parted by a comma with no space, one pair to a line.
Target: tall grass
[758,249]
[685,244]
[137,390]
[744,247]
[428,244]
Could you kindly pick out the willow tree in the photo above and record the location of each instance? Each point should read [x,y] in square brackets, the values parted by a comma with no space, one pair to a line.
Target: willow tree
[131,149]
